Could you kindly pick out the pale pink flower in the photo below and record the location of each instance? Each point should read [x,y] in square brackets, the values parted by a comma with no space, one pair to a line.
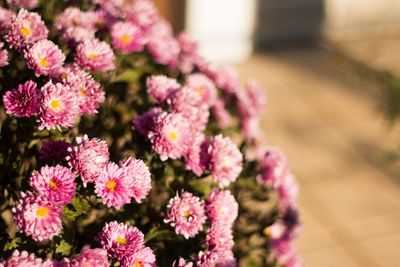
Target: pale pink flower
[56,183]
[89,157]
[59,107]
[274,166]
[120,240]
[5,19]
[76,35]
[182,263]
[145,122]
[95,257]
[114,186]
[186,214]
[221,207]
[28,4]
[219,239]
[288,191]
[227,78]
[221,114]
[251,128]
[26,29]
[3,56]
[38,217]
[204,87]
[162,46]
[161,87]
[206,259]
[189,53]
[24,101]
[44,57]
[255,99]
[26,259]
[73,17]
[127,37]
[139,173]
[95,55]
[142,257]
[225,160]
[143,13]
[197,158]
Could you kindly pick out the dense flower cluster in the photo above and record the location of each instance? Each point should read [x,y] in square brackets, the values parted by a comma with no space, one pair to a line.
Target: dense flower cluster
[169,161]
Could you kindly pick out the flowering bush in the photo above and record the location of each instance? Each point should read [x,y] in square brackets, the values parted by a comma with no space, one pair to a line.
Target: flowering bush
[122,146]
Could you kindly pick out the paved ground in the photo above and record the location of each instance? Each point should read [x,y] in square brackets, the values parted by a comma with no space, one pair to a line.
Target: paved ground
[338,144]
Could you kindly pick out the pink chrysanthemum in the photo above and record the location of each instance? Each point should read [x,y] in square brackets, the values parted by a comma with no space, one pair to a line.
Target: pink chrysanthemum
[44,57]
[251,128]
[274,168]
[89,257]
[89,92]
[219,239]
[38,217]
[28,4]
[182,263]
[56,183]
[26,29]
[59,107]
[139,173]
[114,186]
[160,87]
[76,35]
[143,13]
[145,122]
[3,56]
[127,37]
[120,240]
[189,54]
[221,114]
[171,137]
[89,157]
[221,207]
[206,259]
[204,87]
[186,214]
[24,101]
[225,160]
[197,158]
[227,78]
[253,100]
[54,150]
[288,191]
[95,55]
[142,257]
[73,17]
[26,259]
[5,19]
[100,18]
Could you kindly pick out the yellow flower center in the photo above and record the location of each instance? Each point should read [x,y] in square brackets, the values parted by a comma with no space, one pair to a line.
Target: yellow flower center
[121,240]
[82,91]
[55,104]
[266,231]
[42,212]
[172,135]
[200,90]
[137,264]
[125,38]
[186,213]
[43,63]
[92,55]
[111,185]
[53,184]
[25,31]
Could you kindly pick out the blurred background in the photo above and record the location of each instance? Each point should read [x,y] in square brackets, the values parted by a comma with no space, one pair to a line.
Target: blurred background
[330,69]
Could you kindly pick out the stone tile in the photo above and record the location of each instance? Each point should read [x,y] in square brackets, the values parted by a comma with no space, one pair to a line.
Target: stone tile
[328,257]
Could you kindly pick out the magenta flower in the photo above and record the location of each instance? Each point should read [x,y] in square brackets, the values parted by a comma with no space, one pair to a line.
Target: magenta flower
[59,107]
[171,136]
[38,217]
[88,158]
[28,4]
[120,240]
[26,29]
[114,186]
[145,122]
[142,257]
[89,257]
[24,259]
[137,171]
[55,183]
[275,168]
[160,87]
[3,56]
[221,114]
[204,87]
[225,160]
[95,55]
[197,158]
[44,57]
[54,150]
[288,192]
[186,214]
[221,207]
[24,101]
[127,37]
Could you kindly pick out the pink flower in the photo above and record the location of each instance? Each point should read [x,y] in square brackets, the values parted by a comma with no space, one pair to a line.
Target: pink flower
[254,99]
[24,101]
[38,217]
[274,167]
[251,128]
[56,183]
[114,186]
[143,13]
[28,4]
[59,107]
[5,19]
[225,160]
[120,240]
[89,257]
[221,207]
[76,35]
[44,57]
[24,259]
[145,122]
[206,259]
[223,117]
[142,257]
[204,87]
[197,158]
[73,17]
[3,56]
[189,54]
[89,92]
[227,78]
[127,37]
[288,192]
[219,239]
[95,55]
[171,136]
[160,87]
[137,171]
[182,263]
[89,157]
[26,29]
[186,214]
[54,150]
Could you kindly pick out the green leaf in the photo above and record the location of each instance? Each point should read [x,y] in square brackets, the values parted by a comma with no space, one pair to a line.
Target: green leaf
[63,248]
[130,75]
[70,215]
[81,205]
[12,244]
